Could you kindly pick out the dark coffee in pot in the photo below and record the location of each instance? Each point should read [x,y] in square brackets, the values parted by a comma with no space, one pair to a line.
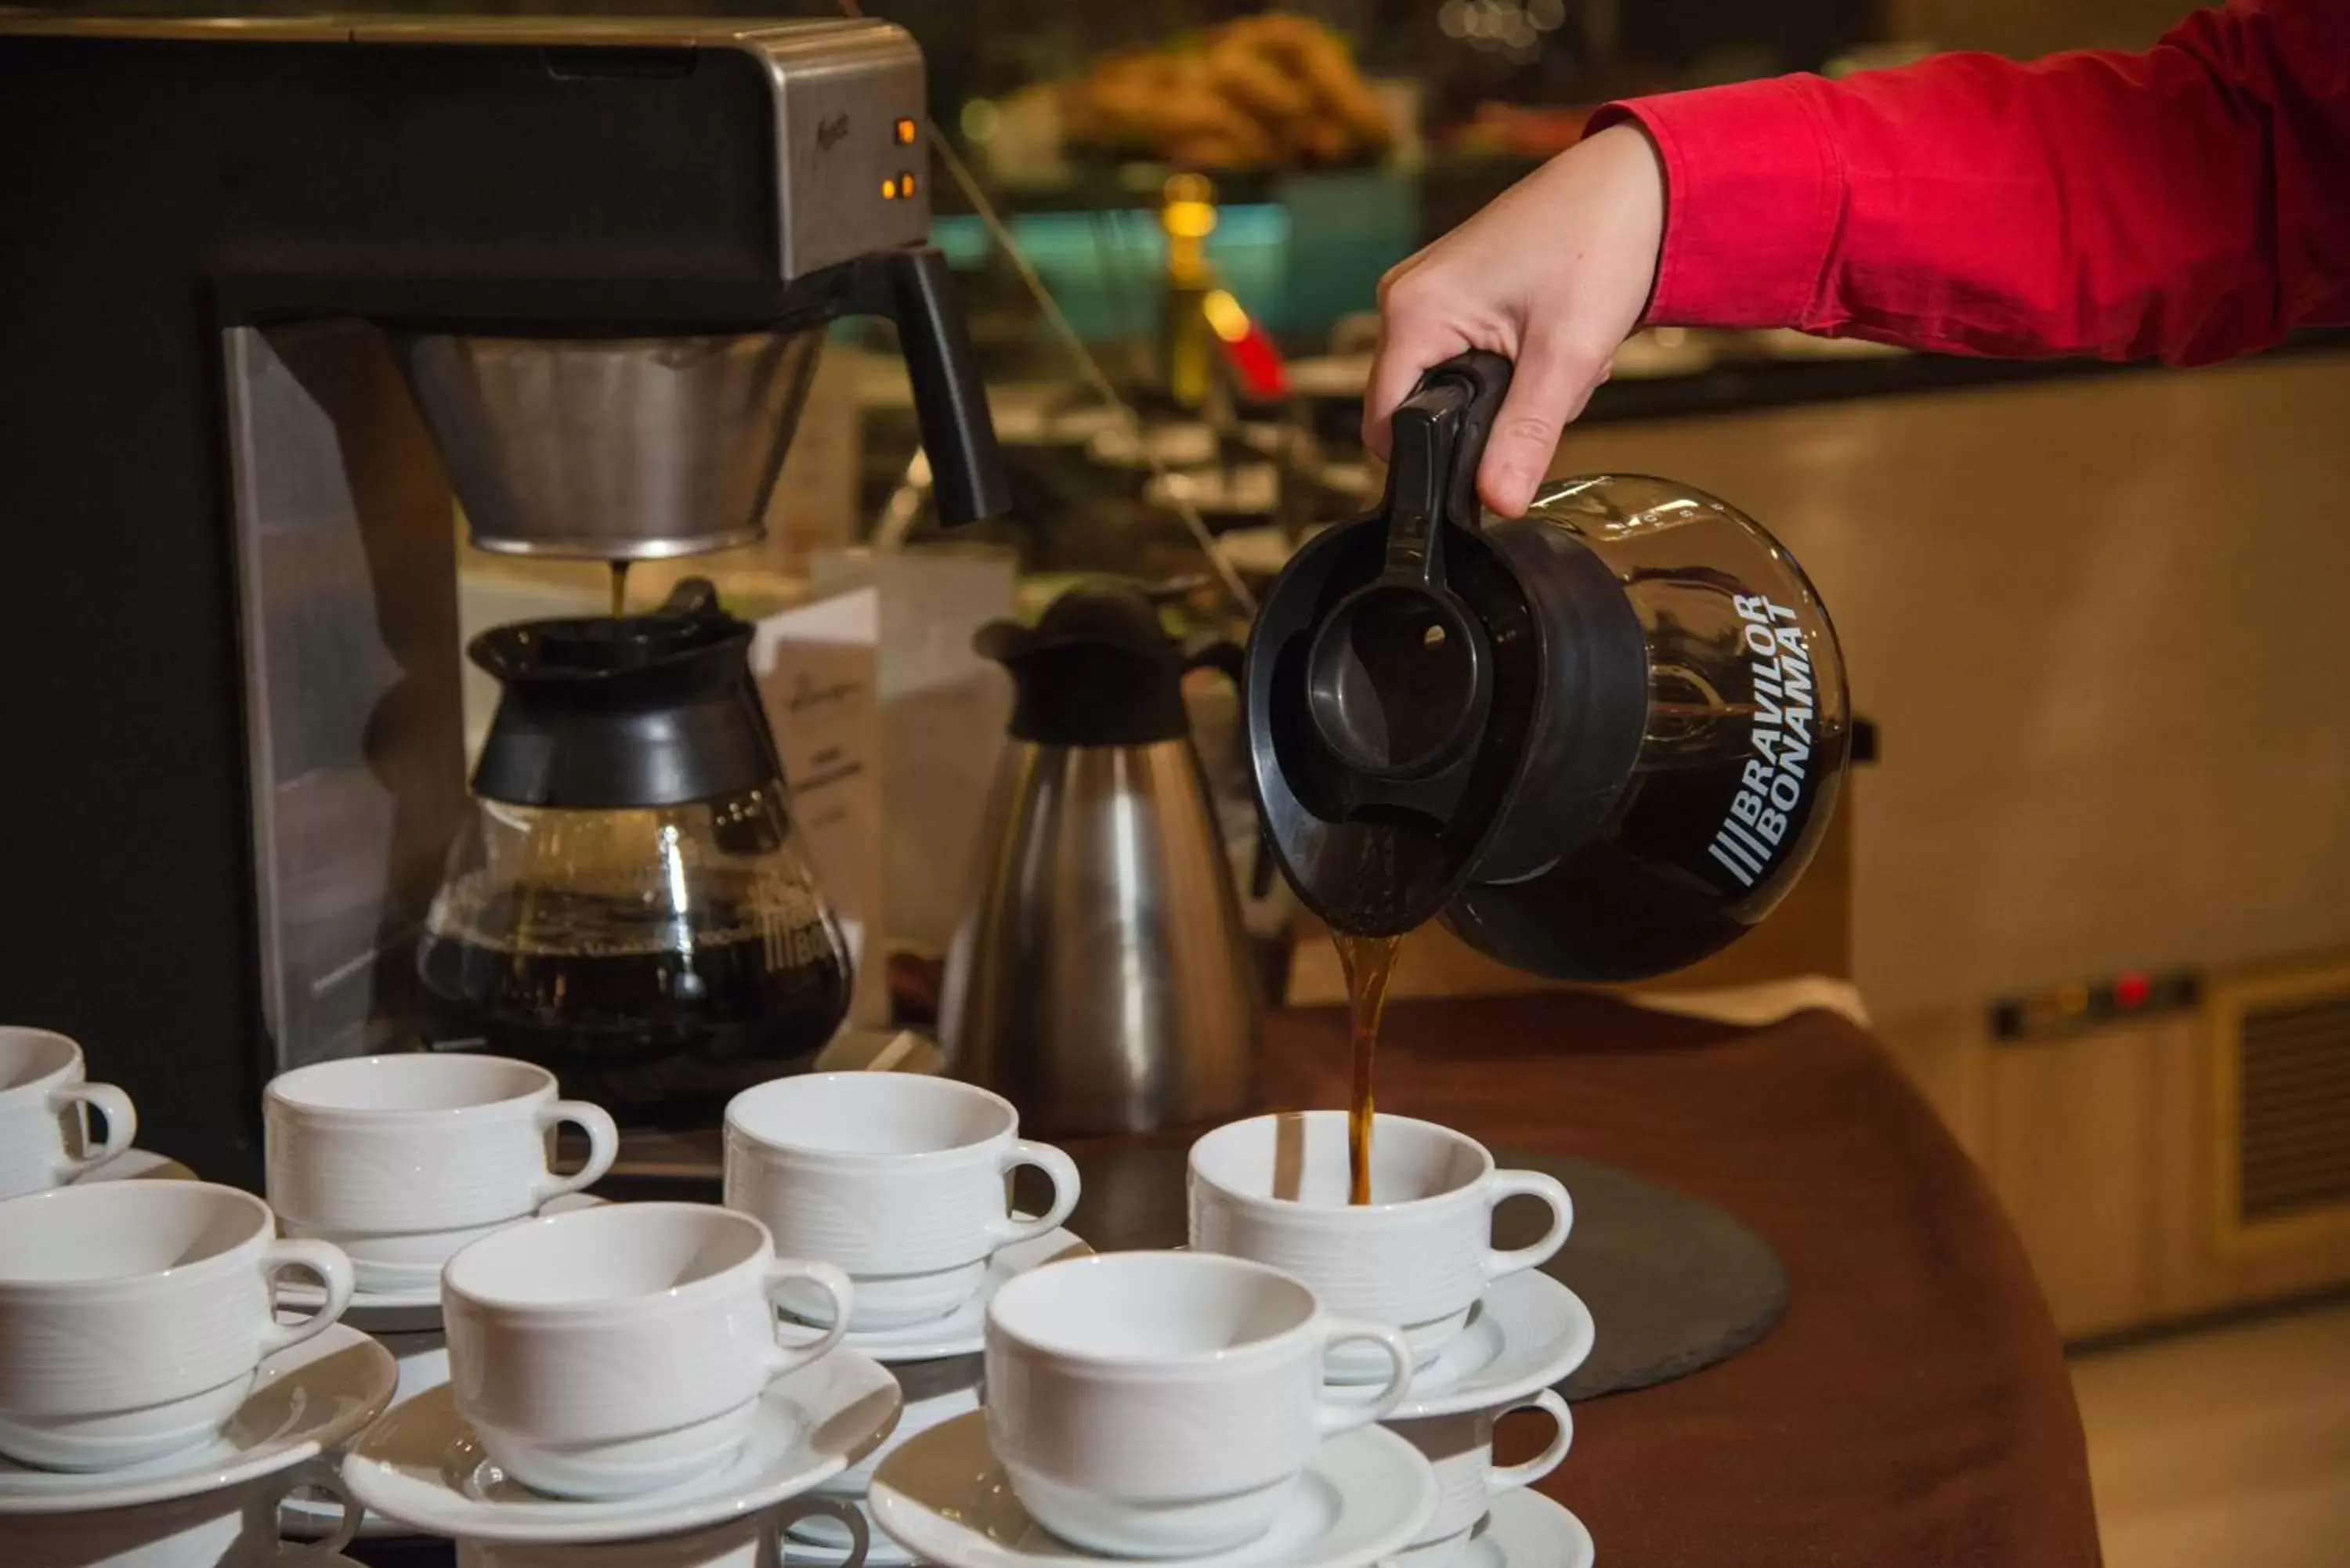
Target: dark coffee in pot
[659,1032]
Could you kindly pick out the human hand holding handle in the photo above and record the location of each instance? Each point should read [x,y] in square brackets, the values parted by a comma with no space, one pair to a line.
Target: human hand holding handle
[1553,275]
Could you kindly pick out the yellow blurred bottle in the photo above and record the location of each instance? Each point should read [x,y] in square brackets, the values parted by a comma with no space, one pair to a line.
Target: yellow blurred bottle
[1187,342]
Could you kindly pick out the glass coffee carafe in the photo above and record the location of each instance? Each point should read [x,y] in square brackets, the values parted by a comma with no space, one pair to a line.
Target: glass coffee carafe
[629,905]
[1601,741]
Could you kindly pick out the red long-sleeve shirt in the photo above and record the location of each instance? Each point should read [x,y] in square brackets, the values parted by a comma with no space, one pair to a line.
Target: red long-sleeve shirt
[2192,201]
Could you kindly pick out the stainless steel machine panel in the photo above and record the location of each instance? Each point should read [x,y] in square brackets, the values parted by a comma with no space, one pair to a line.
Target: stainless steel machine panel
[345,558]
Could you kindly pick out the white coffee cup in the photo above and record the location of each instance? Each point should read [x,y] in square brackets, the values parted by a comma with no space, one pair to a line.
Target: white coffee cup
[232,1527]
[611,1352]
[1164,1403]
[400,1161]
[1461,1451]
[133,1314]
[44,1139]
[896,1177]
[1417,1256]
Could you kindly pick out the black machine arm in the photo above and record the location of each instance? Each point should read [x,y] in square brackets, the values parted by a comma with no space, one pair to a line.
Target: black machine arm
[913,288]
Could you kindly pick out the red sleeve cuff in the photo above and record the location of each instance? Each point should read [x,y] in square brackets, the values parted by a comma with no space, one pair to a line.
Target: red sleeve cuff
[1753,191]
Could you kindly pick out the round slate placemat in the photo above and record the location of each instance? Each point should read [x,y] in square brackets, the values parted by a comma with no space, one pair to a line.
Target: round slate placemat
[1675,1284]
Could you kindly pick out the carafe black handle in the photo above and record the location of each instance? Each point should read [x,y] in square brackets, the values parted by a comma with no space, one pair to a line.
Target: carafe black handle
[1489,379]
[1437,438]
[914,289]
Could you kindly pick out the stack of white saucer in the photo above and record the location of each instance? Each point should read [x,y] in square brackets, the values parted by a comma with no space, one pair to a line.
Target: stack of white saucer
[572,1373]
[899,1180]
[652,1380]
[402,1161]
[1489,1332]
[1217,1407]
[1162,1406]
[1312,1385]
[597,1361]
[153,1409]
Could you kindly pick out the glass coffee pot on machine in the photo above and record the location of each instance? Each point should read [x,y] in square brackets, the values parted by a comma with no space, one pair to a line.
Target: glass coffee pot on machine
[1601,741]
[629,907]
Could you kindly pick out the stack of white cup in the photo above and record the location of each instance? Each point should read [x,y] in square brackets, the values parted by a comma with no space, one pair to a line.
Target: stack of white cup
[1418,1258]
[613,1352]
[402,1161]
[1468,1481]
[1141,1406]
[45,1098]
[1166,1405]
[135,1318]
[601,1360]
[900,1180]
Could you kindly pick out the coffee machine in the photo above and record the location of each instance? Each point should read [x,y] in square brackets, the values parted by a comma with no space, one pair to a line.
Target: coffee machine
[274,290]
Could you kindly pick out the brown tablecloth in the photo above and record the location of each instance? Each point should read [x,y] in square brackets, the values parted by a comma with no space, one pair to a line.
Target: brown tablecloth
[1912,1411]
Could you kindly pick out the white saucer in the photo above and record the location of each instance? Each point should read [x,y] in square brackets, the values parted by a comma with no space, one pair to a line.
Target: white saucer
[423,1466]
[414,1311]
[1526,1529]
[136,1164]
[1528,1333]
[963,1331]
[945,1498]
[423,1361]
[305,1401]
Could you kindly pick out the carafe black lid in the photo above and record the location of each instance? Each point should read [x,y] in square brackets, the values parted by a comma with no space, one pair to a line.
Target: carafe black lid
[1394,678]
[605,712]
[1096,669]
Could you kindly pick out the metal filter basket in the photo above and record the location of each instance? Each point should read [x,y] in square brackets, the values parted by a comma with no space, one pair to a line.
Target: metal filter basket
[612,448]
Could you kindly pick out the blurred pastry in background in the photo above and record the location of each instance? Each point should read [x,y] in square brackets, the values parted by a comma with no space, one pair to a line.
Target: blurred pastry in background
[1271,90]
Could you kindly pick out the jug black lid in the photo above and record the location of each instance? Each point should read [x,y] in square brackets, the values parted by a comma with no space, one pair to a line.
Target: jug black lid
[603,712]
[1408,700]
[1096,669]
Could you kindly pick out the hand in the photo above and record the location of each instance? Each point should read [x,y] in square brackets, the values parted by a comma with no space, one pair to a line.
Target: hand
[1555,275]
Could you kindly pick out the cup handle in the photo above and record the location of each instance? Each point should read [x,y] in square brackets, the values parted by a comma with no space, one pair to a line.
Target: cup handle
[770,1535]
[1335,1416]
[329,1478]
[1529,1184]
[1500,1479]
[1061,1169]
[121,1124]
[781,1357]
[323,1258]
[603,1146]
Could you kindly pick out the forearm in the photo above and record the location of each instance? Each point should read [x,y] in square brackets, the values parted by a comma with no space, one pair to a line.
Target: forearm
[2187,203]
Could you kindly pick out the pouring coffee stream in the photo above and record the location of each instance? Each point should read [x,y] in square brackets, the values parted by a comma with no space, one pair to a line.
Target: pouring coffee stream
[1368,962]
[1599,742]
